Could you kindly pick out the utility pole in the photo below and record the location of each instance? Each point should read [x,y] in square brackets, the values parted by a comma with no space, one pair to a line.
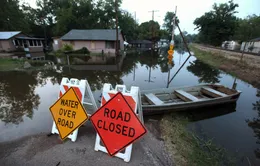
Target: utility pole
[116,28]
[135,17]
[44,26]
[153,25]
[135,26]
[171,51]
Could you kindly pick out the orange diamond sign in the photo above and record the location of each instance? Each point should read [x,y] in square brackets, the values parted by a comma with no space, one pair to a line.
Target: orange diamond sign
[117,124]
[68,113]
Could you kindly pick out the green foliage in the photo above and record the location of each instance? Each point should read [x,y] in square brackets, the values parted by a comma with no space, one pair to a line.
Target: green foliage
[128,25]
[149,31]
[248,28]
[11,17]
[186,148]
[59,17]
[168,22]
[10,64]
[218,24]
[67,47]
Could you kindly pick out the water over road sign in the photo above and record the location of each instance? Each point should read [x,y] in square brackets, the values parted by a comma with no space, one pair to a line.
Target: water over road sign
[117,124]
[68,113]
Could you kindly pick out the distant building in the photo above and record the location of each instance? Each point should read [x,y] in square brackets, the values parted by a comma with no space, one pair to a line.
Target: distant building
[230,45]
[96,40]
[17,41]
[163,43]
[252,46]
[57,43]
[140,44]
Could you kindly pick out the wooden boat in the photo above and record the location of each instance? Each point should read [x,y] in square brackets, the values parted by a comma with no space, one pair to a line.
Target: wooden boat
[166,100]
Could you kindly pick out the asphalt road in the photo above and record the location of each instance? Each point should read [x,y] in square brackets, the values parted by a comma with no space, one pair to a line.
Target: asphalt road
[49,150]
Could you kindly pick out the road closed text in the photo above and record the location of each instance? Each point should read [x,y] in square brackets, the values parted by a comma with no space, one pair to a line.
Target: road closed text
[67,114]
[114,124]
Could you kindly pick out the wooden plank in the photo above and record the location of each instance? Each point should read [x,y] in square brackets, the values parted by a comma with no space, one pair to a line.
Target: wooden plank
[185,96]
[152,99]
[212,92]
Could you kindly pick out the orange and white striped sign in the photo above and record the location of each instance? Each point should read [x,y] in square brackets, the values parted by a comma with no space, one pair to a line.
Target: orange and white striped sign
[64,88]
[79,86]
[106,96]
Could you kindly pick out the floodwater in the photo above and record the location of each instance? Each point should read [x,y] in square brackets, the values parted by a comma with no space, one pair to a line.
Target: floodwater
[25,98]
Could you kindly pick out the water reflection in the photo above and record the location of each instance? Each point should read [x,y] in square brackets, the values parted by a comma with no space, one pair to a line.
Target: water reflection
[17,101]
[255,123]
[111,73]
[149,59]
[17,94]
[204,113]
[205,73]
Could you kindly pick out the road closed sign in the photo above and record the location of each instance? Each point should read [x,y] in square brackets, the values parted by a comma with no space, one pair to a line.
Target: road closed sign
[68,113]
[117,124]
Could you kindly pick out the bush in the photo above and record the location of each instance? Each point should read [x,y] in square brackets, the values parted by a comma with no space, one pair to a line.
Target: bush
[83,50]
[67,47]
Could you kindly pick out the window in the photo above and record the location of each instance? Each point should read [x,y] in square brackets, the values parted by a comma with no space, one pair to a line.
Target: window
[34,43]
[93,45]
[30,42]
[110,44]
[16,43]
[39,43]
[20,43]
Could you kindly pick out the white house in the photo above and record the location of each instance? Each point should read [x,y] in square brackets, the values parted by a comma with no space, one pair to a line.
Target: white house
[230,45]
[252,46]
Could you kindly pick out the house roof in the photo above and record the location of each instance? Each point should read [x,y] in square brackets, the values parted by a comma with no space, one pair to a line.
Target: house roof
[140,42]
[91,34]
[29,38]
[256,39]
[7,35]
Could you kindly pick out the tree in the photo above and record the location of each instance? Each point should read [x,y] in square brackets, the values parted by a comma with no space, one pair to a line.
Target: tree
[127,23]
[11,17]
[168,22]
[164,34]
[248,28]
[59,17]
[85,14]
[73,15]
[218,24]
[149,31]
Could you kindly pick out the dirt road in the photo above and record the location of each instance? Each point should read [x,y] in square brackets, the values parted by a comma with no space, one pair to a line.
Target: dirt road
[252,60]
[44,150]
[248,69]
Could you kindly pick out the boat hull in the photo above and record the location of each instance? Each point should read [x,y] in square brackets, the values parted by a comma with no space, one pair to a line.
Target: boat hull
[172,107]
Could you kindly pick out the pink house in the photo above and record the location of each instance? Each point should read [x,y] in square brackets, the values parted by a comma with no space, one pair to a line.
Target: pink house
[96,40]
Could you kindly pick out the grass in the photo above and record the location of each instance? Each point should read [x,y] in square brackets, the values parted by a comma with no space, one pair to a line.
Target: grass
[234,67]
[8,64]
[188,149]
[215,59]
[210,58]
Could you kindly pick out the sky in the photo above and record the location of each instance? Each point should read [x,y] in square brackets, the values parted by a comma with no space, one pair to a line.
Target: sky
[187,10]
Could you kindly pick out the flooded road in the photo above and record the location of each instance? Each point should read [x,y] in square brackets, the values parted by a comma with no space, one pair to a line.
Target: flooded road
[26,98]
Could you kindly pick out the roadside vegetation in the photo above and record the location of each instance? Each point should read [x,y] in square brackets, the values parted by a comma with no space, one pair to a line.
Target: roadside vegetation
[8,64]
[186,148]
[246,69]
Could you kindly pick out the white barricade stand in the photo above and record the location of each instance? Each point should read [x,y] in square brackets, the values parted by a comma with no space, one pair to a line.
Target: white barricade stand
[109,92]
[81,88]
